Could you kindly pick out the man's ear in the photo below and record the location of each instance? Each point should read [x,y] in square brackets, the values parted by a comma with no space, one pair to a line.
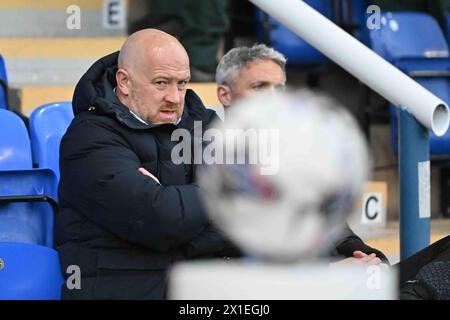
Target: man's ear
[123,82]
[224,95]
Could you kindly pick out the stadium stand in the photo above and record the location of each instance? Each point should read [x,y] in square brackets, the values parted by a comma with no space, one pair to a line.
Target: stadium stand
[14,143]
[51,17]
[44,64]
[297,51]
[27,195]
[353,18]
[48,123]
[415,44]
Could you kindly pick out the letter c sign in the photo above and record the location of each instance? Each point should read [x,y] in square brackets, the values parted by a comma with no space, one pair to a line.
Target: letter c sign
[372,209]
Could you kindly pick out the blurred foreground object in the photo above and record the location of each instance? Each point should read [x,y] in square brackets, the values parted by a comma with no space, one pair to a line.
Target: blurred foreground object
[292,169]
[247,281]
[286,172]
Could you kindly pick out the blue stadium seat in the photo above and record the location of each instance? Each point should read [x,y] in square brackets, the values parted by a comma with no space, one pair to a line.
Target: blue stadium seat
[27,206]
[48,124]
[414,43]
[447,27]
[297,51]
[26,211]
[15,150]
[29,272]
[3,85]
[354,16]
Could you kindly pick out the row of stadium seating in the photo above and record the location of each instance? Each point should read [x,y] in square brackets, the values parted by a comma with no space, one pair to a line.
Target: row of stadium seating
[29,265]
[414,43]
[411,41]
[19,222]
[351,15]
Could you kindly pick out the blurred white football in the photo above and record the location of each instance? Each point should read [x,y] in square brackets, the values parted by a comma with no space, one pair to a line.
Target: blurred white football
[283,173]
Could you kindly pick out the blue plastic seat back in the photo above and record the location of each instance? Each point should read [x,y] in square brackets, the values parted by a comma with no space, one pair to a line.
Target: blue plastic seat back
[48,124]
[29,272]
[27,222]
[438,145]
[414,43]
[408,35]
[358,11]
[447,27]
[4,77]
[15,150]
[297,51]
[357,19]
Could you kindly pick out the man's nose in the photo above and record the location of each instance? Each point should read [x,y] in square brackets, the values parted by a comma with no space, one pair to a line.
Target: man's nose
[173,94]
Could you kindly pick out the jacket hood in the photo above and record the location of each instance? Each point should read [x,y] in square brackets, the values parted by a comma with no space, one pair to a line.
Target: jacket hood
[95,91]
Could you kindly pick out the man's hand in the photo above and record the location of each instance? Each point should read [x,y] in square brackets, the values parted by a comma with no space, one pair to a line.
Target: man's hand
[148,174]
[370,259]
[360,258]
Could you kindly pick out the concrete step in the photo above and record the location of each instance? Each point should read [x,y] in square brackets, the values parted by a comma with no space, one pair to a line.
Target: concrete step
[48,18]
[45,70]
[53,62]
[32,97]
